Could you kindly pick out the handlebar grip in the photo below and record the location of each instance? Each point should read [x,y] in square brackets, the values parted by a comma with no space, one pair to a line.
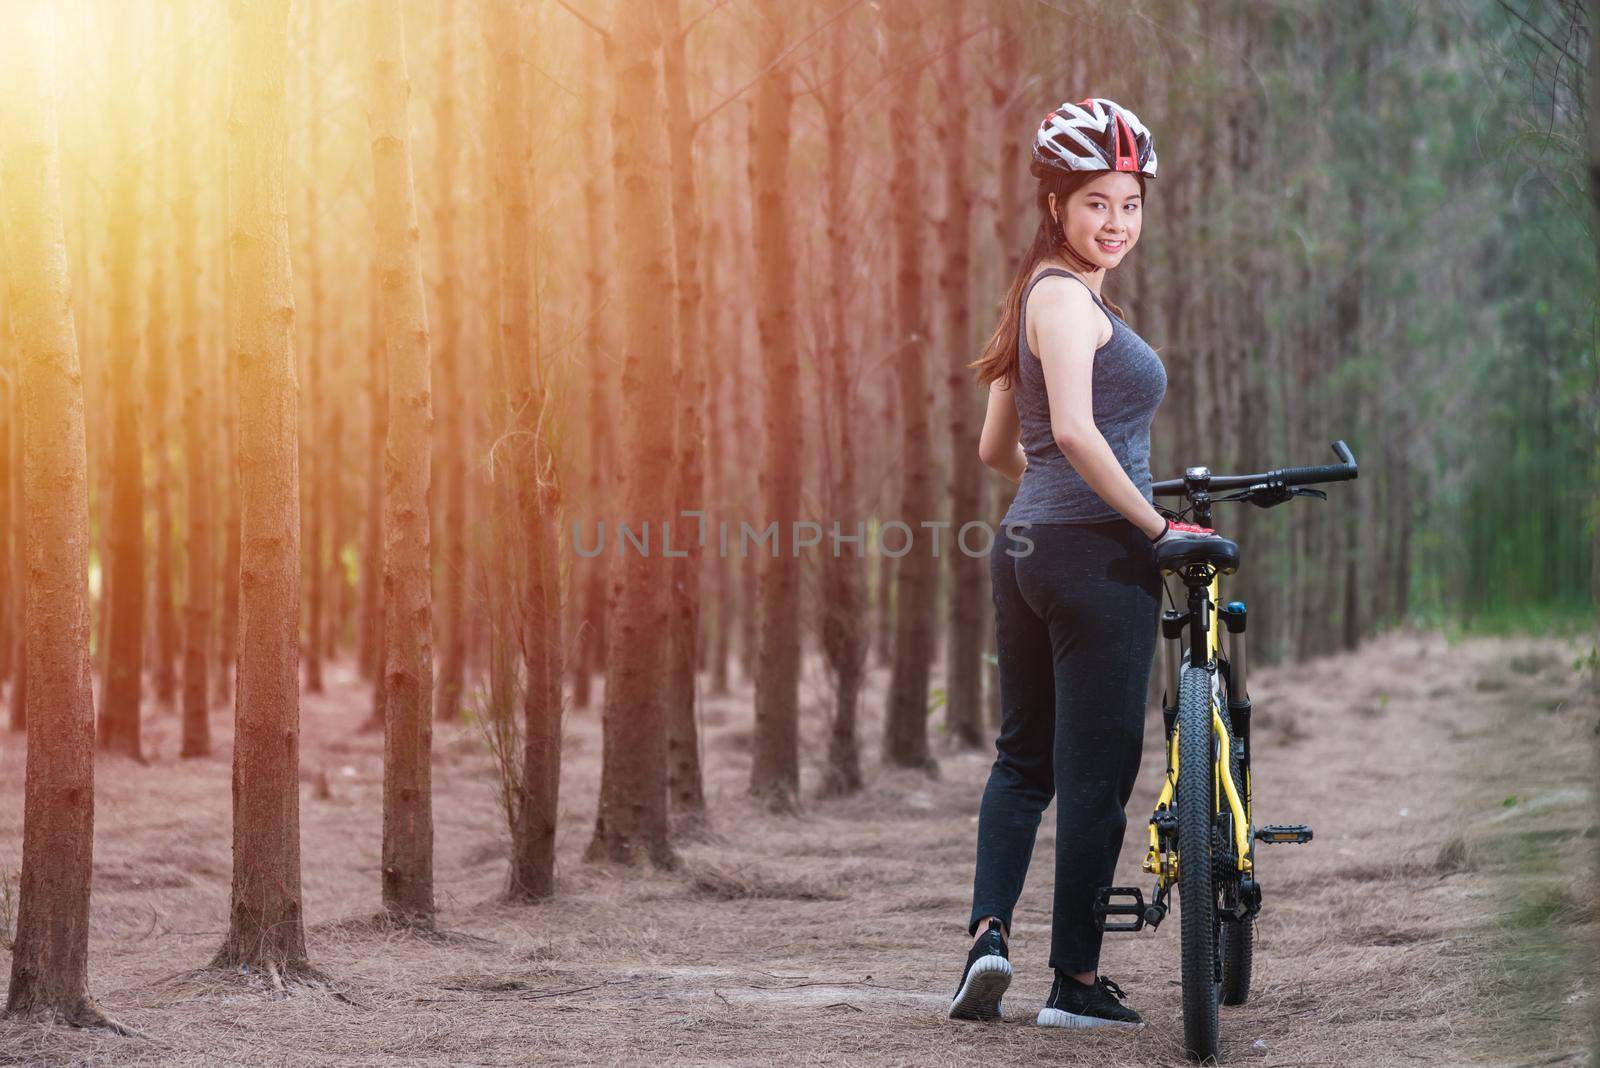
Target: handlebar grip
[1299,476]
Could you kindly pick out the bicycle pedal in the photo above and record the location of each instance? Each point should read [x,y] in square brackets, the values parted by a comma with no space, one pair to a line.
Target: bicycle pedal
[1104,906]
[1284,834]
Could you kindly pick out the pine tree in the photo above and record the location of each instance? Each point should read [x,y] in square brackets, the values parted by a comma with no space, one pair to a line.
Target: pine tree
[408,616]
[631,825]
[266,928]
[50,950]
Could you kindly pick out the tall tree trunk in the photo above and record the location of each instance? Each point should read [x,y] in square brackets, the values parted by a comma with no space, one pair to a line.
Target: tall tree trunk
[336,512]
[533,476]
[775,768]
[228,406]
[228,631]
[1592,89]
[1008,146]
[747,404]
[1592,110]
[408,613]
[685,787]
[591,656]
[119,712]
[916,573]
[843,607]
[158,381]
[197,391]
[883,579]
[50,950]
[18,713]
[266,927]
[372,598]
[312,456]
[719,643]
[631,824]
[10,414]
[968,575]
[452,352]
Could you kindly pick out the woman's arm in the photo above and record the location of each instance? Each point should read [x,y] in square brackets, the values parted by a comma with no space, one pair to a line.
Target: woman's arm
[999,446]
[1065,321]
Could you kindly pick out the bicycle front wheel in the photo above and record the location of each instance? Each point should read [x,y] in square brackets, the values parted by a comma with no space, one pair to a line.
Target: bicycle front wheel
[1197,897]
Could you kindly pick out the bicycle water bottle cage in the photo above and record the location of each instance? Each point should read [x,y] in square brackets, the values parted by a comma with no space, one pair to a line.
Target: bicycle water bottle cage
[1181,553]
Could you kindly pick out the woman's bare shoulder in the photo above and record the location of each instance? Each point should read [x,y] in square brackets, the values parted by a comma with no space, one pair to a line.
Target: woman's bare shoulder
[1066,303]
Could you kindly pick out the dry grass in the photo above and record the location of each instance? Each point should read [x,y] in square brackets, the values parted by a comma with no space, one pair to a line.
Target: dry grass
[835,936]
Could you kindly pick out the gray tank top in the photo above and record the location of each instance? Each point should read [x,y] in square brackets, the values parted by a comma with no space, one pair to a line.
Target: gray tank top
[1129,382]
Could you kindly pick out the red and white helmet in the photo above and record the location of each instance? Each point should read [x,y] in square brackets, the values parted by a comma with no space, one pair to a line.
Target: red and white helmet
[1093,135]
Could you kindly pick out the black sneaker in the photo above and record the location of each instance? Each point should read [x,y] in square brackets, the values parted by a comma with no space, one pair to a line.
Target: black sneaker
[985,979]
[1073,1004]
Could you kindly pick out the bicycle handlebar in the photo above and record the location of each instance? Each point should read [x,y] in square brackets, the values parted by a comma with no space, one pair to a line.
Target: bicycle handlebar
[1287,476]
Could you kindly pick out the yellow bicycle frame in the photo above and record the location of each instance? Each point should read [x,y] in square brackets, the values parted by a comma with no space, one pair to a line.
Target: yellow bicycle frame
[1164,863]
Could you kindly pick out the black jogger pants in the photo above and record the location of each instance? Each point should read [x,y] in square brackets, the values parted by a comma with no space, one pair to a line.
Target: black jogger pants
[1076,619]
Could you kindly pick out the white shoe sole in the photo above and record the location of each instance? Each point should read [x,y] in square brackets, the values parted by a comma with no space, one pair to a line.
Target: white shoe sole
[1072,1021]
[980,994]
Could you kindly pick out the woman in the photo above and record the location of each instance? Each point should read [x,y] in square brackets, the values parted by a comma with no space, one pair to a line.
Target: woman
[1077,596]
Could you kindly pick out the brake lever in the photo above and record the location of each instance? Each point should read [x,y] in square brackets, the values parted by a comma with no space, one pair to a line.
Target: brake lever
[1307,491]
[1267,495]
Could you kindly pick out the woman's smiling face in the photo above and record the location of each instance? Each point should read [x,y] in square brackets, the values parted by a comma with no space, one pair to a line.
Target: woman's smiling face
[1102,219]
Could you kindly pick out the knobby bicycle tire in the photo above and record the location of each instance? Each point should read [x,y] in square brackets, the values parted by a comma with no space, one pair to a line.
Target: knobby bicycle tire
[1197,898]
[1238,949]
[1238,936]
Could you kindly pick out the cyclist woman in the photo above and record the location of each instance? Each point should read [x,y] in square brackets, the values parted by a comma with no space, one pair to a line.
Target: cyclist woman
[1075,584]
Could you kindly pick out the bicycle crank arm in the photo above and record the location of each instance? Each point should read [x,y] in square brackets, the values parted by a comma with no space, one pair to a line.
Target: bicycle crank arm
[1284,834]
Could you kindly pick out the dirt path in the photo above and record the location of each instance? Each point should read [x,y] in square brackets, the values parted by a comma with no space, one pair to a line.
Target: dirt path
[836,937]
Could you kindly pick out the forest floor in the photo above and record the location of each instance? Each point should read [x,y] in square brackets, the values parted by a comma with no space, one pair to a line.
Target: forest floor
[1442,915]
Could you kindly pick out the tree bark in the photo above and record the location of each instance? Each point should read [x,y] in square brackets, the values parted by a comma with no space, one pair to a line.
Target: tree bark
[372,598]
[843,607]
[159,355]
[685,787]
[50,951]
[591,655]
[533,477]
[119,713]
[312,446]
[916,574]
[1592,151]
[968,575]
[883,578]
[11,413]
[18,714]
[370,653]
[336,607]
[197,372]
[775,768]
[719,639]
[266,926]
[452,353]
[1007,145]
[631,824]
[408,614]
[228,407]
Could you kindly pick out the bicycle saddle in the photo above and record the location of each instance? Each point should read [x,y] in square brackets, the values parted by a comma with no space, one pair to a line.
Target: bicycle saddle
[1219,552]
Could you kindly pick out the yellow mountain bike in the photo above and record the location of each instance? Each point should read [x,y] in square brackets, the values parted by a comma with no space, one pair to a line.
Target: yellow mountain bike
[1203,832]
